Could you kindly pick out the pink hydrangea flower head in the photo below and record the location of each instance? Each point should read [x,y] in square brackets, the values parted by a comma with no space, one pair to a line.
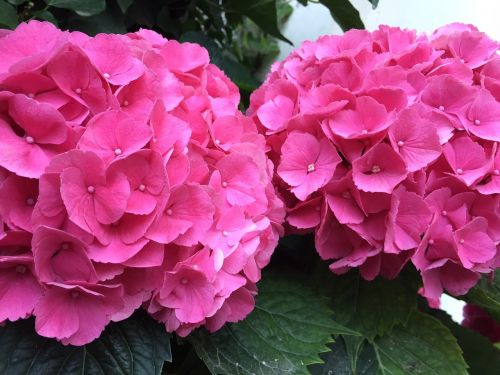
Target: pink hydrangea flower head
[408,124]
[128,179]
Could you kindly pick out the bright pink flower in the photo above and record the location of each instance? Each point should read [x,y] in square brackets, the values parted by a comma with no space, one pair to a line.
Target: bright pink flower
[415,139]
[186,217]
[483,117]
[76,313]
[90,194]
[30,47]
[113,59]
[379,170]
[113,135]
[369,117]
[19,287]
[307,163]
[237,183]
[61,257]
[18,196]
[43,133]
[407,220]
[468,159]
[188,56]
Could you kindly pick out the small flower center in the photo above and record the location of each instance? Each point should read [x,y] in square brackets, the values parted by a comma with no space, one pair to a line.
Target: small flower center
[31,95]
[460,171]
[169,212]
[375,169]
[118,151]
[496,172]
[364,131]
[401,143]
[444,213]
[462,241]
[311,168]
[30,201]
[91,189]
[346,195]
[65,246]
[142,187]
[431,242]
[106,75]
[29,139]
[78,91]
[441,108]
[20,269]
[224,183]
[217,141]
[225,233]
[184,281]
[477,122]
[125,103]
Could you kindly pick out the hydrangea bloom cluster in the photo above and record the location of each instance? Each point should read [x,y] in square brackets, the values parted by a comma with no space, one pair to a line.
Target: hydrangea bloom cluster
[386,146]
[128,178]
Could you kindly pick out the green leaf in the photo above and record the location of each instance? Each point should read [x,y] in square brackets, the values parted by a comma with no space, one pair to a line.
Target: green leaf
[81,7]
[16,2]
[8,15]
[480,354]
[374,3]
[45,15]
[290,325]
[373,307]
[422,346]
[262,12]
[124,4]
[487,295]
[344,13]
[340,361]
[135,346]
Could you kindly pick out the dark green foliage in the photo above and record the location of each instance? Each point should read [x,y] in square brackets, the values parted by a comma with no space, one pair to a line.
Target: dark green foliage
[135,346]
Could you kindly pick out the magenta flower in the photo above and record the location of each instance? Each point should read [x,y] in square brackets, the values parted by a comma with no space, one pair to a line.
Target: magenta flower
[414,122]
[307,163]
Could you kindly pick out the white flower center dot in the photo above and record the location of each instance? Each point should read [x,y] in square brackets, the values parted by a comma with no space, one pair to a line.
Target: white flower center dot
[496,172]
[29,139]
[224,183]
[118,151]
[375,169]
[225,233]
[78,91]
[401,143]
[462,241]
[20,269]
[460,171]
[311,167]
[169,212]
[125,103]
[91,189]
[142,187]
[444,213]
[441,108]
[30,201]
[431,242]
[364,131]
[477,122]
[106,75]
[217,141]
